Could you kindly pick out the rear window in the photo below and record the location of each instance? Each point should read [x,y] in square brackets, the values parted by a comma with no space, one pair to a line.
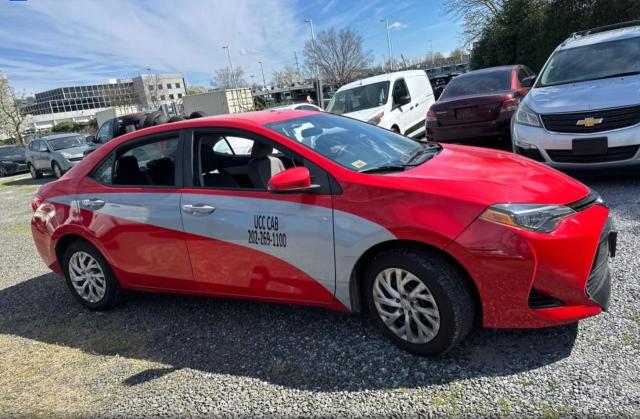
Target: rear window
[477,84]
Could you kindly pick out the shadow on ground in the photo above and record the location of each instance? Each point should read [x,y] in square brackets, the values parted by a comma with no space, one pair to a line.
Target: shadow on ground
[25,181]
[296,347]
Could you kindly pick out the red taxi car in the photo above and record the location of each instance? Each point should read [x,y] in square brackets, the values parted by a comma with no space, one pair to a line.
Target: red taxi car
[317,209]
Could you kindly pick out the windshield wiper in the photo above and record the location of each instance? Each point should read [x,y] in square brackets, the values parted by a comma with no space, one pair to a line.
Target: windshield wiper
[386,168]
[429,148]
[611,76]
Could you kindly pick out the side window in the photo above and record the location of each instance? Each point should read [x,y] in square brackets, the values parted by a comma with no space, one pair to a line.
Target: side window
[104,133]
[237,162]
[400,91]
[43,146]
[33,145]
[148,164]
[522,74]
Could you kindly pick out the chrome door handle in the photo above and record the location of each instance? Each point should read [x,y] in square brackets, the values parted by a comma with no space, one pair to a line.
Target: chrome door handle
[198,209]
[92,204]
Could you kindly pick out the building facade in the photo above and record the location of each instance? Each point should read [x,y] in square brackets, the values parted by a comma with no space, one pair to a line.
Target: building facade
[81,103]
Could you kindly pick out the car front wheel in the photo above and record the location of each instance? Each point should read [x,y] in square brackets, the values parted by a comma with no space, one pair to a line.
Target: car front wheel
[89,277]
[57,171]
[419,300]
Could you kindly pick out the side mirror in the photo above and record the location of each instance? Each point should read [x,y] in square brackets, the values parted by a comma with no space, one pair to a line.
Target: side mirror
[91,139]
[294,180]
[401,101]
[528,81]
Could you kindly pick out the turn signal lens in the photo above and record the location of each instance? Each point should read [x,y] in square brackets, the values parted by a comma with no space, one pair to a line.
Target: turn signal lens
[431,116]
[376,119]
[534,217]
[510,105]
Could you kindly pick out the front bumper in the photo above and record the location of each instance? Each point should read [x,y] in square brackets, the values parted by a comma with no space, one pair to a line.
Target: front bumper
[555,149]
[531,280]
[15,167]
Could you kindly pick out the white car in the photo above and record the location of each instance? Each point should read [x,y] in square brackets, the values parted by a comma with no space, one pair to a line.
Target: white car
[302,106]
[396,101]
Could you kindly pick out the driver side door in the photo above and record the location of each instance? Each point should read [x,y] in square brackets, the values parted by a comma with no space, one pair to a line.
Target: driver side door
[246,242]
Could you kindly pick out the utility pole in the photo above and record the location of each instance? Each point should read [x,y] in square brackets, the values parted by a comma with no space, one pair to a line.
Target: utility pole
[295,55]
[233,75]
[264,81]
[315,52]
[433,61]
[386,26]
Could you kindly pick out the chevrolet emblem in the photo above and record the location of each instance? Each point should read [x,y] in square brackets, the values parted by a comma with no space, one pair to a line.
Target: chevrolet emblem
[589,122]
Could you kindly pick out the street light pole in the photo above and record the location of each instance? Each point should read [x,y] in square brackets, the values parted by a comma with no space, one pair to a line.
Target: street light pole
[386,26]
[433,58]
[315,52]
[264,81]
[233,76]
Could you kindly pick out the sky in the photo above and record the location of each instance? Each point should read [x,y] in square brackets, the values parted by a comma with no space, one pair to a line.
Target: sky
[46,44]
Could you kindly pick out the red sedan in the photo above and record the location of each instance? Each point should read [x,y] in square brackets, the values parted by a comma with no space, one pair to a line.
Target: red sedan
[477,106]
[311,208]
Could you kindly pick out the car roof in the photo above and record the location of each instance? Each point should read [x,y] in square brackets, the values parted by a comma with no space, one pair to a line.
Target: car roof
[54,136]
[383,77]
[578,40]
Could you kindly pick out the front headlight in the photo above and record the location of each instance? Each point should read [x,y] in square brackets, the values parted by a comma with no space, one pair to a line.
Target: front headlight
[67,155]
[376,119]
[525,116]
[534,217]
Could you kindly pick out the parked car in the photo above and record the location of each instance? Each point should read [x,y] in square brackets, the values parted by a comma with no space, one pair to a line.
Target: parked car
[55,154]
[12,160]
[424,237]
[302,106]
[478,105]
[584,109]
[396,101]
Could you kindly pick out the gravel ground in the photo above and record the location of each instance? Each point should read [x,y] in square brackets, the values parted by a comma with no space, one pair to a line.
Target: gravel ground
[169,355]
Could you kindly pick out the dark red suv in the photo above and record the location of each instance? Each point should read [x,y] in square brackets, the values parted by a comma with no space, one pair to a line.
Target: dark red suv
[478,105]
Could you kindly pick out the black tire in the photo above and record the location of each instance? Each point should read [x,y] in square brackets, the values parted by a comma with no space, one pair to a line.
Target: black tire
[395,129]
[150,119]
[57,173]
[35,174]
[113,291]
[197,114]
[447,285]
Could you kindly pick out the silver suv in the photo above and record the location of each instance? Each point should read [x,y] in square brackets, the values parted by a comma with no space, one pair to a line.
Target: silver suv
[55,154]
[584,109]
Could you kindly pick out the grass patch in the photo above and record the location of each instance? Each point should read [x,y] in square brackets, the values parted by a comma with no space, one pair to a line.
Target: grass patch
[505,407]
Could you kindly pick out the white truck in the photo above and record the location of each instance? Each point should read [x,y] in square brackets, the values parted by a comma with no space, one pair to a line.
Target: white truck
[219,102]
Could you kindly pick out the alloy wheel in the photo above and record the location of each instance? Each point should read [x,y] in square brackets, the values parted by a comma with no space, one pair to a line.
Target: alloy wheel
[406,305]
[87,277]
[57,171]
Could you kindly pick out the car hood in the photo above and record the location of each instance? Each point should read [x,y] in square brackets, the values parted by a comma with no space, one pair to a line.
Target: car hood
[74,151]
[585,96]
[365,114]
[488,177]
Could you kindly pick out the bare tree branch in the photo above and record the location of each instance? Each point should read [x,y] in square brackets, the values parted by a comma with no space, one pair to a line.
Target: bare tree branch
[227,79]
[476,14]
[339,55]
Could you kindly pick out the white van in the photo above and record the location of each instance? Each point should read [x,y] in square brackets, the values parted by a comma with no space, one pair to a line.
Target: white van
[396,101]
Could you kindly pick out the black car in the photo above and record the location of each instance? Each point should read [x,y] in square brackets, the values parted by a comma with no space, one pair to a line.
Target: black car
[12,160]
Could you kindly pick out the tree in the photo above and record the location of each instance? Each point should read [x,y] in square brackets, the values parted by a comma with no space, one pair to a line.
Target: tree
[285,77]
[338,55]
[11,119]
[225,78]
[476,14]
[194,90]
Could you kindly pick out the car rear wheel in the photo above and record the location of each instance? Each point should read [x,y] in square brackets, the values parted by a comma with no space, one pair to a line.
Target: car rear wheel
[34,173]
[89,277]
[419,300]
[57,171]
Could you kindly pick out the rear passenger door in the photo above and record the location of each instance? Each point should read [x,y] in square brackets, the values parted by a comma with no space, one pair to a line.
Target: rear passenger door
[130,205]
[245,241]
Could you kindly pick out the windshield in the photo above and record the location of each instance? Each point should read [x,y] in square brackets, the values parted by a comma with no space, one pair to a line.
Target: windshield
[353,144]
[66,142]
[478,83]
[11,151]
[359,98]
[591,62]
